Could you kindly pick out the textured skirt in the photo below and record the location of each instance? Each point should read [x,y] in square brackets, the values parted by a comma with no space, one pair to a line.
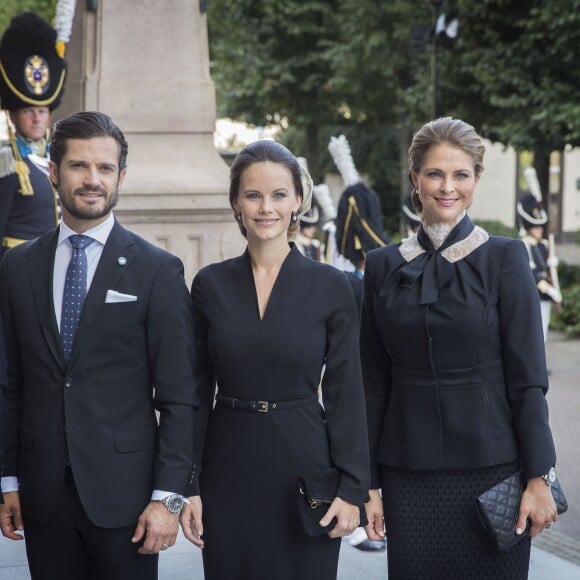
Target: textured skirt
[434,530]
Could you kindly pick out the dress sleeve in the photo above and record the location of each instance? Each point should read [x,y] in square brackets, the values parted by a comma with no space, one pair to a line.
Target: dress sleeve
[376,367]
[7,190]
[343,396]
[204,375]
[524,360]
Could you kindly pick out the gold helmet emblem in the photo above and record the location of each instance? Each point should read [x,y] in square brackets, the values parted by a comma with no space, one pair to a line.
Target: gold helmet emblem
[36,74]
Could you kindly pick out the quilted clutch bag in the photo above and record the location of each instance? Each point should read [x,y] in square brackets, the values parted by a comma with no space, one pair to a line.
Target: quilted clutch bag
[499,509]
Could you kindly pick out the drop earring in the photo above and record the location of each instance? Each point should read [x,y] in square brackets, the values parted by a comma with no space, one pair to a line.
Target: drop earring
[294,217]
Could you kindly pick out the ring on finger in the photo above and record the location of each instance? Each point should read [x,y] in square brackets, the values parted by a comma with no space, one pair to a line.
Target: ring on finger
[164,546]
[548,526]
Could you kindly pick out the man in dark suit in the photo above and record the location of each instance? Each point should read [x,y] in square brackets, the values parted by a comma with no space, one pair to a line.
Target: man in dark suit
[90,475]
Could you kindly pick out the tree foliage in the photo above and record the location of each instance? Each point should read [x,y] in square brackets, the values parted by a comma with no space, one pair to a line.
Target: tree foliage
[513,73]
[269,63]
[10,8]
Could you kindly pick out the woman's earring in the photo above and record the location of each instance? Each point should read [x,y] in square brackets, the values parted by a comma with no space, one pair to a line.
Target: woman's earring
[238,216]
[294,217]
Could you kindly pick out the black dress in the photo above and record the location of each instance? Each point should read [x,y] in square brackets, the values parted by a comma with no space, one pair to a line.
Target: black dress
[251,461]
[455,379]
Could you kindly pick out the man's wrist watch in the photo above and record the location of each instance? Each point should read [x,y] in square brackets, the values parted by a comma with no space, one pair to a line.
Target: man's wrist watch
[173,503]
[549,477]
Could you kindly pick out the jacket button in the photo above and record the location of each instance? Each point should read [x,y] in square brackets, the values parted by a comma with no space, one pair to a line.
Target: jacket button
[68,383]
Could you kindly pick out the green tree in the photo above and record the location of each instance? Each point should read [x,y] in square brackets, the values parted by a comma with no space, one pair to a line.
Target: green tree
[514,74]
[269,64]
[10,8]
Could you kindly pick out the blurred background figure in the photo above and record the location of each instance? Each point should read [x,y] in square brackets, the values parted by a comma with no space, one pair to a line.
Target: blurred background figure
[410,216]
[543,261]
[306,240]
[358,229]
[32,77]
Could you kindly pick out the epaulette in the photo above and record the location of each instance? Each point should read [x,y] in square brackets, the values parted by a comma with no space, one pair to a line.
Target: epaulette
[7,164]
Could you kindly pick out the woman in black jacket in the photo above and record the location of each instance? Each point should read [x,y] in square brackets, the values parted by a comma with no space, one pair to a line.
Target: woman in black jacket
[455,376]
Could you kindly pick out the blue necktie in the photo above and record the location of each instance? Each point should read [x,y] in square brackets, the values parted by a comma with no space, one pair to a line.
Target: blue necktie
[75,291]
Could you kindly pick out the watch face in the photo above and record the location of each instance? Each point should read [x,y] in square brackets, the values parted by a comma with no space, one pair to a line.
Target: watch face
[552,475]
[173,503]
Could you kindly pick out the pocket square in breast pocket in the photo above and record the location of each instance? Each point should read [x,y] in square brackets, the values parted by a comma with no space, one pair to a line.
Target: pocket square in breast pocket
[113,297]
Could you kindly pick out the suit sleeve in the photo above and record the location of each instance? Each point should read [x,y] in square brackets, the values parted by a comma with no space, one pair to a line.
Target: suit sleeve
[376,367]
[344,398]
[13,377]
[170,346]
[204,375]
[524,360]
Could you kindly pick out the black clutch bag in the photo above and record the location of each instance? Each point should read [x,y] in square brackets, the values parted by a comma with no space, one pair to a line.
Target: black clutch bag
[499,509]
[315,494]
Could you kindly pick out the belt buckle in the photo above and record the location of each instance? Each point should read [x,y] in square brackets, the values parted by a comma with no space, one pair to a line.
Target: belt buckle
[262,406]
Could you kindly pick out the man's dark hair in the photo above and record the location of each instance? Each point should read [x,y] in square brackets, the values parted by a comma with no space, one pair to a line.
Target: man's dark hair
[85,125]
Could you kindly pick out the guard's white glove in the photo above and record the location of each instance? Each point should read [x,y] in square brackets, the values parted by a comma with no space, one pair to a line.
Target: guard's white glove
[546,288]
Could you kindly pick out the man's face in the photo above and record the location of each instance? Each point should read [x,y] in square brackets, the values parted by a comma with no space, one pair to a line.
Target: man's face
[88,181]
[31,122]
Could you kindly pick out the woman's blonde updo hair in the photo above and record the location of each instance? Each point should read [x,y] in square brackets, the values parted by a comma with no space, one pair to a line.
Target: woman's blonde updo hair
[444,130]
[266,150]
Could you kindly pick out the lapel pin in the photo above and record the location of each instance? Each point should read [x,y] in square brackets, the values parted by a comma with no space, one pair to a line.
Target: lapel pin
[122,260]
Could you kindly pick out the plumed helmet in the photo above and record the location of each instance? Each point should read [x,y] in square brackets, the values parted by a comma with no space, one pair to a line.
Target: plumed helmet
[310,217]
[531,212]
[359,226]
[32,73]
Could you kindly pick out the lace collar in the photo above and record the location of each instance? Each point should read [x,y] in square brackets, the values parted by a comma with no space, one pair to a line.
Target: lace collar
[411,248]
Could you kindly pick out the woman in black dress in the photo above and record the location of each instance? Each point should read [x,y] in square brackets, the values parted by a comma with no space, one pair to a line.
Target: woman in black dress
[266,323]
[455,376]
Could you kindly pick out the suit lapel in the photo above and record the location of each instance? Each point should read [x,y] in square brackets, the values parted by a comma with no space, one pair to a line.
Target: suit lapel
[41,264]
[115,260]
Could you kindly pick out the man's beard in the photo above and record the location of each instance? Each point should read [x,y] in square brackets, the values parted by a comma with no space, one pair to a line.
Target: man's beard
[89,213]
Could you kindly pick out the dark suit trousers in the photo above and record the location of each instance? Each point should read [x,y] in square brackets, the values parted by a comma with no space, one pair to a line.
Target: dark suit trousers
[71,547]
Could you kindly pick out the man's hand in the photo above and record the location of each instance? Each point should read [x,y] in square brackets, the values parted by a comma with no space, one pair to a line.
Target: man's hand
[157,526]
[191,521]
[11,517]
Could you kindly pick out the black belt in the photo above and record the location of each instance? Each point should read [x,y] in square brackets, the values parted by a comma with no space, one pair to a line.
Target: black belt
[263,406]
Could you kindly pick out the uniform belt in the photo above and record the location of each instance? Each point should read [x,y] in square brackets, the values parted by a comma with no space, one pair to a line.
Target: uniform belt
[9,242]
[263,406]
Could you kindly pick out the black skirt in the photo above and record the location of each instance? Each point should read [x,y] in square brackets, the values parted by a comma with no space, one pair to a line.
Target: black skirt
[434,530]
[249,489]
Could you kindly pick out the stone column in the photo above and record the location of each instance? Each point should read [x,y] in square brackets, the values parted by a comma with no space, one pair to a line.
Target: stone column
[146,64]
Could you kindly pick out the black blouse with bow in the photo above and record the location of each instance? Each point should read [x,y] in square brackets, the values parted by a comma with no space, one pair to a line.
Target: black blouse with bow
[453,355]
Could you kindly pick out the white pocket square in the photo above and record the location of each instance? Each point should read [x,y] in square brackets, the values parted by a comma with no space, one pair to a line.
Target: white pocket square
[113,296]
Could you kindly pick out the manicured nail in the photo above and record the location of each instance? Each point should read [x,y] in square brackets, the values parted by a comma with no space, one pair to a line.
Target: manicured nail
[519,531]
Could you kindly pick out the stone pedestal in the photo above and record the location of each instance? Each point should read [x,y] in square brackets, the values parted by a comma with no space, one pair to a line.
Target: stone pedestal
[146,64]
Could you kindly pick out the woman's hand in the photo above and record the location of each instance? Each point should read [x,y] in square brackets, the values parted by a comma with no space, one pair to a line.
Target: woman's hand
[191,522]
[375,529]
[538,505]
[347,518]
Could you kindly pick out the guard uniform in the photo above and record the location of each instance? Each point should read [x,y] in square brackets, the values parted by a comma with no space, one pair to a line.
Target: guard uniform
[32,74]
[531,214]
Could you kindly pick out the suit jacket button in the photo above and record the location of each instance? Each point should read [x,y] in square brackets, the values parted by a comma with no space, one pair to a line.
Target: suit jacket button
[68,383]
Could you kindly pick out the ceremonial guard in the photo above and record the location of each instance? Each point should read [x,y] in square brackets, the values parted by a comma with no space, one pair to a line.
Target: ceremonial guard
[533,218]
[306,241]
[32,78]
[358,229]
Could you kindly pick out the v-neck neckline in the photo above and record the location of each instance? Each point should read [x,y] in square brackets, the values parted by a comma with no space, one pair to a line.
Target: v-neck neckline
[262,318]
